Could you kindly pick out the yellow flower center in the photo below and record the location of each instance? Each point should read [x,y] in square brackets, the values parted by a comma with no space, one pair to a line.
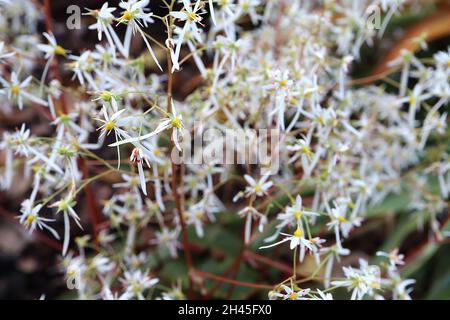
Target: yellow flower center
[60,51]
[176,123]
[283,83]
[134,182]
[298,214]
[306,150]
[109,126]
[133,215]
[30,219]
[412,100]
[36,168]
[257,188]
[375,285]
[62,205]
[199,215]
[321,120]
[15,90]
[192,16]
[298,233]
[342,219]
[293,296]
[106,96]
[127,15]
[157,152]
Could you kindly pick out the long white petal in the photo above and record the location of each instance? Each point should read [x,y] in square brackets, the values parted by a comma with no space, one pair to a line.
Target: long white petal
[66,234]
[142,178]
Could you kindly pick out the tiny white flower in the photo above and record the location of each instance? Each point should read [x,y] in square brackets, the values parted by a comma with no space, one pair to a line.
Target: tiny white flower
[137,158]
[52,49]
[135,17]
[136,283]
[295,240]
[15,91]
[257,188]
[251,214]
[30,218]
[65,206]
[290,294]
[173,121]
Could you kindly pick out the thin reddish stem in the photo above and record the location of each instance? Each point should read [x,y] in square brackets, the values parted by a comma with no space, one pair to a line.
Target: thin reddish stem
[232,281]
[94,211]
[178,181]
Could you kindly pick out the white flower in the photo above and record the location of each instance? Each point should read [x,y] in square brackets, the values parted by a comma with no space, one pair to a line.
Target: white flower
[190,38]
[173,121]
[294,214]
[249,7]
[66,207]
[361,281]
[302,149]
[30,218]
[107,294]
[136,18]
[52,49]
[136,283]
[13,143]
[102,264]
[323,295]
[18,141]
[257,188]
[341,223]
[15,91]
[442,59]
[169,239]
[192,15]
[109,98]
[401,290]
[104,18]
[251,214]
[295,240]
[75,271]
[82,67]
[395,259]
[195,216]
[175,293]
[112,123]
[134,13]
[291,294]
[137,158]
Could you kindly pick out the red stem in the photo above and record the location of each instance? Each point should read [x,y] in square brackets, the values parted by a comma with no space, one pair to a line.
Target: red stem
[94,211]
[232,281]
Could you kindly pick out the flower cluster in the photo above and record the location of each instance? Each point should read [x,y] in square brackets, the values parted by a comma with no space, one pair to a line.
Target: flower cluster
[116,125]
